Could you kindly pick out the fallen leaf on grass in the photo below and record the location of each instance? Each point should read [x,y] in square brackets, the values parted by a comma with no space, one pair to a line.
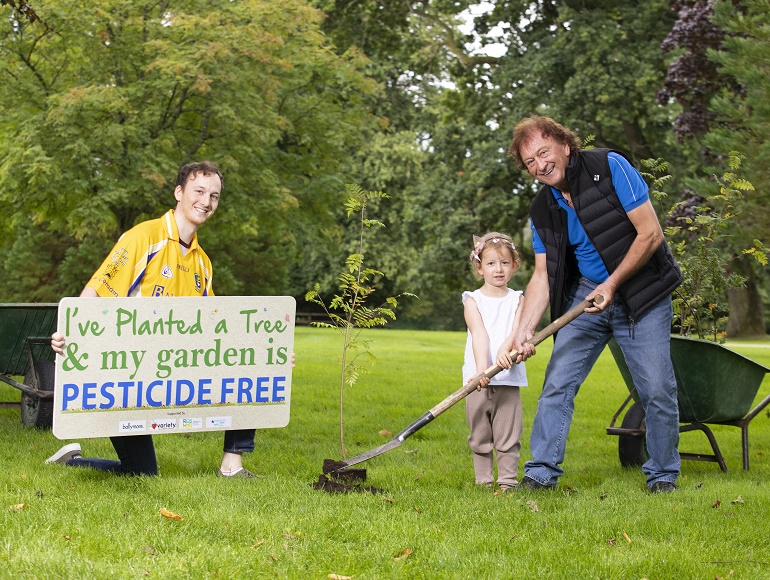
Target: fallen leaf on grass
[410,451]
[387,499]
[738,499]
[17,507]
[338,577]
[532,505]
[625,535]
[419,476]
[716,504]
[403,554]
[385,433]
[258,544]
[611,541]
[170,515]
[151,550]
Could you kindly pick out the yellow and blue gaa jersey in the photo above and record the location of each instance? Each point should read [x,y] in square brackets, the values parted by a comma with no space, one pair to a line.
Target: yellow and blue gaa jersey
[147,260]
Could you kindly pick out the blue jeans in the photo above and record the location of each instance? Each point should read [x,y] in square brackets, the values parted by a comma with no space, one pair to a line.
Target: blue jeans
[646,347]
[136,453]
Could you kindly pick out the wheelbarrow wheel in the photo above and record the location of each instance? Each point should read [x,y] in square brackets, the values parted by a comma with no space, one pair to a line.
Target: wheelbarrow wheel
[37,412]
[632,449]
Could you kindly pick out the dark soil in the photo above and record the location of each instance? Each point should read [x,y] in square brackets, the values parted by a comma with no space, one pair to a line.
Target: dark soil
[336,470]
[330,465]
[342,480]
[329,486]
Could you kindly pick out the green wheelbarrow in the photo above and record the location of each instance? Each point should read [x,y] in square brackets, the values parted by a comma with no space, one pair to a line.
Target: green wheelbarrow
[25,351]
[715,386]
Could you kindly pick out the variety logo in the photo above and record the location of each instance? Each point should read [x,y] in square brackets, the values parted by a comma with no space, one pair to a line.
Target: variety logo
[192,423]
[167,272]
[132,426]
[218,422]
[163,425]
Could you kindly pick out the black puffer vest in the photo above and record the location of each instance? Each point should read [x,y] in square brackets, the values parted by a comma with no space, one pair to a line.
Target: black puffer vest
[608,228]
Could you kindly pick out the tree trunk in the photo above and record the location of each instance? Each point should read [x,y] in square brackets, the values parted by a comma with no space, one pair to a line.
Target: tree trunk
[747,316]
[637,147]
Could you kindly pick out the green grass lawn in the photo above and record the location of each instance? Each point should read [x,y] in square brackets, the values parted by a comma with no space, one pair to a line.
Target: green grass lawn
[430,522]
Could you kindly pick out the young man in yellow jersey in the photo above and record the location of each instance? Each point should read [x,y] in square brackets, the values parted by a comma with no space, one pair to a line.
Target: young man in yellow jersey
[161,257]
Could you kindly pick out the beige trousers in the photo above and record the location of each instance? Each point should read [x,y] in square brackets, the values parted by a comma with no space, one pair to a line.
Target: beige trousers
[495,419]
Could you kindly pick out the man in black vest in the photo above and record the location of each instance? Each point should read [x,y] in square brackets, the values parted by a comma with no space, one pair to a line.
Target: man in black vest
[595,232]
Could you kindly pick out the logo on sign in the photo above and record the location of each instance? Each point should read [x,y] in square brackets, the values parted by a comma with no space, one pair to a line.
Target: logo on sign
[163,425]
[132,426]
[218,422]
[192,423]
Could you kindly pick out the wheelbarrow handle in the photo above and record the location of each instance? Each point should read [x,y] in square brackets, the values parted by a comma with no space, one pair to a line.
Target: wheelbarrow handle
[549,330]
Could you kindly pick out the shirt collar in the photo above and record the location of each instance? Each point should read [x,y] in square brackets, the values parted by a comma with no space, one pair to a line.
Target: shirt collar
[173,231]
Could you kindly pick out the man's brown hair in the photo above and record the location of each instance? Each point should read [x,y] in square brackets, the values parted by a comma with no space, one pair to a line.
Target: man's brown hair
[193,169]
[547,128]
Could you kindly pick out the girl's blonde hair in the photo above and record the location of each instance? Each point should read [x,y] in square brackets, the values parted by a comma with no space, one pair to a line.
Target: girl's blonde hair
[495,240]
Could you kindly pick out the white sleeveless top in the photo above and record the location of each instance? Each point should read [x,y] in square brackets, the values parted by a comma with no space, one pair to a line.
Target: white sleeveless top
[497,315]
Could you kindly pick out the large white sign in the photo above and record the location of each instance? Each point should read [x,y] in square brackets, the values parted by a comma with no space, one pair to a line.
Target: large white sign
[173,365]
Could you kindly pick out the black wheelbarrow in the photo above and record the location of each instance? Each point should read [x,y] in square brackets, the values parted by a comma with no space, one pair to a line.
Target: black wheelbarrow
[715,386]
[25,351]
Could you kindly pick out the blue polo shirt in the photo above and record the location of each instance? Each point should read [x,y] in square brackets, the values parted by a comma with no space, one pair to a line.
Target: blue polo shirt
[632,192]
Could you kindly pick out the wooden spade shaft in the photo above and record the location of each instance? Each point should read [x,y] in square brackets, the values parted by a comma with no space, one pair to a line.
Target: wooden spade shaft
[468,388]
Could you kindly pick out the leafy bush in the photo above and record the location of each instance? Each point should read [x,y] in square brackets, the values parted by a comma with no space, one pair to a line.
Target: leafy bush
[699,228]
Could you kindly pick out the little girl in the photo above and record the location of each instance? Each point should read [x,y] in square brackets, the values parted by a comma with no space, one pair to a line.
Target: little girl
[491,312]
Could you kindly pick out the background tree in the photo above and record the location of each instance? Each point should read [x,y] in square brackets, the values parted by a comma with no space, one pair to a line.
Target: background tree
[99,110]
[417,98]
[450,107]
[716,77]
[745,114]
